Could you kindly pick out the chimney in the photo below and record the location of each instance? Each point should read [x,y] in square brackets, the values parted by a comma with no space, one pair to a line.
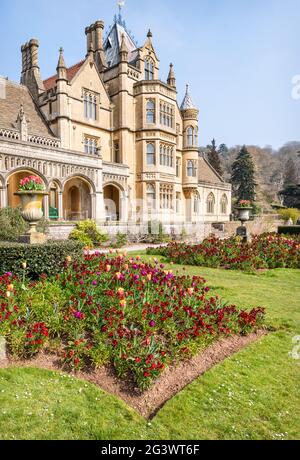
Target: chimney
[30,68]
[94,35]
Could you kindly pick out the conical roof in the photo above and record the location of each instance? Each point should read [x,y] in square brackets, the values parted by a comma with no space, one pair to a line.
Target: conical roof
[187,102]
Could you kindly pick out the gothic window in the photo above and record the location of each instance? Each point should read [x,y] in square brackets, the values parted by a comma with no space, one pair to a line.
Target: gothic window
[166,197]
[210,204]
[166,154]
[191,168]
[196,203]
[151,195]
[223,204]
[116,153]
[150,154]
[190,136]
[150,111]
[166,115]
[177,167]
[90,102]
[149,70]
[90,145]
[178,202]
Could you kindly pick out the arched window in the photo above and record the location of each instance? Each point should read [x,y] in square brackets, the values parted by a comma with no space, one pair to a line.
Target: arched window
[191,170]
[150,154]
[151,195]
[223,204]
[196,203]
[210,204]
[190,136]
[149,70]
[150,109]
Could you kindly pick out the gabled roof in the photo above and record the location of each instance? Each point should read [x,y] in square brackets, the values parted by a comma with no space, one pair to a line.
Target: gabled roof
[187,102]
[112,43]
[15,96]
[71,72]
[206,172]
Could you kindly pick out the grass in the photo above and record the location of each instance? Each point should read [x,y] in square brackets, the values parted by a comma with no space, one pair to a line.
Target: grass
[252,395]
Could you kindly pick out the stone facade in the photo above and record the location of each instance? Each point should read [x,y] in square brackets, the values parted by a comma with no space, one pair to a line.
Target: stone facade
[108,138]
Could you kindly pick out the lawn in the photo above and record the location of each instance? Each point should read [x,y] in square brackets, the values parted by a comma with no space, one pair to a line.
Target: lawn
[252,395]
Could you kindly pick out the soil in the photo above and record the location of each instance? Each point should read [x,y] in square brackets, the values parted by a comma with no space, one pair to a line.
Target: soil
[173,380]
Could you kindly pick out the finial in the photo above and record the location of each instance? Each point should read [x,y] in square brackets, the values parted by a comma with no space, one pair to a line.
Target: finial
[149,34]
[120,4]
[61,60]
[61,50]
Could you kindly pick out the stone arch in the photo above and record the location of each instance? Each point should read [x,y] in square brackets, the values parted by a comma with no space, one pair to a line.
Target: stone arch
[80,176]
[77,198]
[113,194]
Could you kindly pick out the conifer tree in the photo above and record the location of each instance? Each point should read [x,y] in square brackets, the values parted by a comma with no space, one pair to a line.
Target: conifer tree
[243,176]
[214,158]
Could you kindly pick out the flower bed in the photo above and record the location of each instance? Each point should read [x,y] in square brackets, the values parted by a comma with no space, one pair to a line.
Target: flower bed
[264,251]
[137,317]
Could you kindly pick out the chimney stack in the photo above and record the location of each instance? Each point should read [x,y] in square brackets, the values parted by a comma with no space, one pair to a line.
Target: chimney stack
[30,68]
[94,34]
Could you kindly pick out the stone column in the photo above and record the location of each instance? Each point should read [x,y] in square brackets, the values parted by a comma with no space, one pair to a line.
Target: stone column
[93,206]
[124,207]
[46,206]
[60,206]
[3,197]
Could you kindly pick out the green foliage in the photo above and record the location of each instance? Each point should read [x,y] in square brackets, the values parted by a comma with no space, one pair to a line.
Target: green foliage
[121,240]
[289,213]
[87,233]
[48,258]
[243,176]
[12,224]
[291,196]
[157,233]
[214,158]
[289,230]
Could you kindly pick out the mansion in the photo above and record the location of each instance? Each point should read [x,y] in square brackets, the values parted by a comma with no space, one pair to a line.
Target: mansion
[107,137]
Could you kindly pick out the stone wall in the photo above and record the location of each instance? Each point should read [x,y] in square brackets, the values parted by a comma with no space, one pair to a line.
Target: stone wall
[263,224]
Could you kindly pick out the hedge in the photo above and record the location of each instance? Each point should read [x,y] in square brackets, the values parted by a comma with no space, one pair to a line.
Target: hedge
[40,259]
[289,230]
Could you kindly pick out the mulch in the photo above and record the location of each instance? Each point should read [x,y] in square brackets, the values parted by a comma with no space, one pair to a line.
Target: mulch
[172,381]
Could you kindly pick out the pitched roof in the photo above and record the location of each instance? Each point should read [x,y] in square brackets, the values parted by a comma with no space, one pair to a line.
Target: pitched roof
[206,172]
[187,102]
[113,41]
[71,72]
[15,95]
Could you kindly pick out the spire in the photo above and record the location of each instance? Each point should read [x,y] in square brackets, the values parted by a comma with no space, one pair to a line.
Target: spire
[171,77]
[61,66]
[123,49]
[187,102]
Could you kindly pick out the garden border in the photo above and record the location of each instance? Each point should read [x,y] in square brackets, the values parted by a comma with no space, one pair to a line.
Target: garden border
[171,382]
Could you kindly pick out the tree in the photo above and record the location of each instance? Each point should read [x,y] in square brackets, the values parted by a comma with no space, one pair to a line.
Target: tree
[291,196]
[290,173]
[223,149]
[214,158]
[243,176]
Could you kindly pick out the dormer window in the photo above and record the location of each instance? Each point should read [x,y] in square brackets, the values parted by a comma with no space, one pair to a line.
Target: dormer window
[90,105]
[149,70]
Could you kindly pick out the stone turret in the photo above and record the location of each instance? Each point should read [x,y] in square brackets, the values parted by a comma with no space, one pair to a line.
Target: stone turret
[31,76]
[171,77]
[190,142]
[62,100]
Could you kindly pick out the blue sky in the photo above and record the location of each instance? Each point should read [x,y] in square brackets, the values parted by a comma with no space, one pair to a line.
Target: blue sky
[238,56]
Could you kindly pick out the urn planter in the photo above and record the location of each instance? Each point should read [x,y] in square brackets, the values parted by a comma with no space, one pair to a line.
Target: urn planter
[32,203]
[243,213]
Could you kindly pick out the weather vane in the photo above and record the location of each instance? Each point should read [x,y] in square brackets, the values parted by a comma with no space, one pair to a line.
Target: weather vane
[121,3]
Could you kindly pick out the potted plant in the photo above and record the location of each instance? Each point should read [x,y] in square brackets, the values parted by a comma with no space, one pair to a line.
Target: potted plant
[31,193]
[243,207]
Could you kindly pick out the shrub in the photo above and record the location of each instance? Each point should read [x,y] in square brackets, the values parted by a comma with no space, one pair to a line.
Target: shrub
[157,233]
[12,224]
[121,240]
[87,233]
[264,251]
[289,230]
[290,213]
[48,258]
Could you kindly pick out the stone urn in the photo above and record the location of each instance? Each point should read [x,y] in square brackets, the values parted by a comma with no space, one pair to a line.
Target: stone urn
[243,213]
[32,203]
